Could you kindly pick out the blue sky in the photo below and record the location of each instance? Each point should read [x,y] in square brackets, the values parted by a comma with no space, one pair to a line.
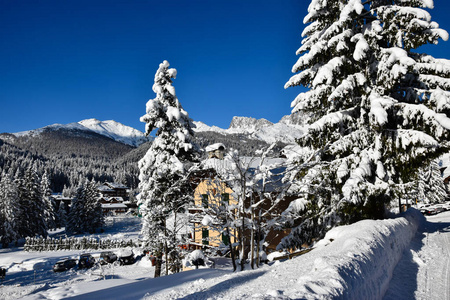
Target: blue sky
[65,61]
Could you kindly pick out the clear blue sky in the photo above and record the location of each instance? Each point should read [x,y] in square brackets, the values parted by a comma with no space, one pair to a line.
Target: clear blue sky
[64,61]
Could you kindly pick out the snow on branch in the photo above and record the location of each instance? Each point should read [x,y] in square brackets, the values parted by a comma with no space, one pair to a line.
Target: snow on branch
[378,108]
[333,118]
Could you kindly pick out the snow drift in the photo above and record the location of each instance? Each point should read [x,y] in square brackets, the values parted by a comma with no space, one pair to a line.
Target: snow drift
[357,261]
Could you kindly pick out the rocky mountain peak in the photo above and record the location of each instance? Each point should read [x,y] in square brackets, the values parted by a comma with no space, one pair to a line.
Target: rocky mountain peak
[248,123]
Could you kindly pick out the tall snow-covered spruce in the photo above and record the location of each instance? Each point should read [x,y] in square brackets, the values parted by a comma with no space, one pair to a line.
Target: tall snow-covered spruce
[164,187]
[380,110]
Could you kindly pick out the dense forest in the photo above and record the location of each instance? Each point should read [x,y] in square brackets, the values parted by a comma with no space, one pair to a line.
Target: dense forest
[71,156]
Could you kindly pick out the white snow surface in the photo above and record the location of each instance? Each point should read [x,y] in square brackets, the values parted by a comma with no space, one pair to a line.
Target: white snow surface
[115,130]
[406,257]
[110,128]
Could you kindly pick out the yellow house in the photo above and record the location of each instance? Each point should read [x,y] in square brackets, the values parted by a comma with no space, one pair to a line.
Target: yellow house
[214,206]
[212,198]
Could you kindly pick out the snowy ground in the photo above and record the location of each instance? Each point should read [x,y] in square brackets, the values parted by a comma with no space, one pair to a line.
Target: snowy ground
[424,270]
[353,262]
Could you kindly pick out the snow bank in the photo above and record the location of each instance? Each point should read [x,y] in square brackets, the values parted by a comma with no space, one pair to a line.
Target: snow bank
[358,260]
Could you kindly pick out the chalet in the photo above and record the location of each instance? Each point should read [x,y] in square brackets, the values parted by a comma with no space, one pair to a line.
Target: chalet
[110,189]
[113,198]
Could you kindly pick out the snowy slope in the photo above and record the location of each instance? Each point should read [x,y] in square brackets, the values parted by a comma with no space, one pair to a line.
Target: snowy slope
[112,129]
[115,130]
[283,131]
[401,258]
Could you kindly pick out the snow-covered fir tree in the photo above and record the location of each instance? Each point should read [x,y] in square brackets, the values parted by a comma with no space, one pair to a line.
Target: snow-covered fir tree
[33,207]
[9,211]
[164,189]
[76,219]
[93,207]
[430,185]
[85,213]
[61,215]
[49,205]
[380,110]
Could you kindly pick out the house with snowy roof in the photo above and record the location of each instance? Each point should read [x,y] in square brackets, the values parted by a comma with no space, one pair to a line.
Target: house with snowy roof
[216,198]
[112,189]
[113,197]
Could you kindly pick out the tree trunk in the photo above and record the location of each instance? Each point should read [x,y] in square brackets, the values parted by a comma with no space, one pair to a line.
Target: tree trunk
[233,259]
[242,240]
[252,240]
[158,264]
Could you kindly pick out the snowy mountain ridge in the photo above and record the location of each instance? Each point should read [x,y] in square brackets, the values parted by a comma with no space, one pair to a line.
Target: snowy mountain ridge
[286,131]
[110,128]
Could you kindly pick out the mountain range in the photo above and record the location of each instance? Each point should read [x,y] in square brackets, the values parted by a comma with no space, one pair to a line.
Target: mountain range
[111,129]
[286,131]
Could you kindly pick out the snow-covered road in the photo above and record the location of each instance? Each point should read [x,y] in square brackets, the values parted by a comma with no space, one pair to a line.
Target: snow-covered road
[424,271]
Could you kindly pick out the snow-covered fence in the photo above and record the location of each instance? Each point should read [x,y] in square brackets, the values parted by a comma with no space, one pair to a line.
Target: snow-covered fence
[73,243]
[357,261]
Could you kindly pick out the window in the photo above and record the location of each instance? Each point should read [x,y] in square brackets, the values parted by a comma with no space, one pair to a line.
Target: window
[205,236]
[225,199]
[204,200]
[225,239]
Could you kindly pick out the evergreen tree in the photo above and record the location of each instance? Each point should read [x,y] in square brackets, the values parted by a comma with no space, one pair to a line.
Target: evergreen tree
[431,187]
[164,188]
[61,215]
[77,218]
[9,211]
[37,206]
[49,205]
[93,207]
[379,110]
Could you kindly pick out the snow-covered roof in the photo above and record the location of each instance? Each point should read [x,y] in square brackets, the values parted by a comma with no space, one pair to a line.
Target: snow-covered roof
[113,205]
[214,147]
[105,188]
[115,185]
[60,197]
[111,186]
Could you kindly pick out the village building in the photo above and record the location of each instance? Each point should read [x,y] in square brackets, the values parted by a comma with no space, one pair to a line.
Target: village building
[111,189]
[114,198]
[214,196]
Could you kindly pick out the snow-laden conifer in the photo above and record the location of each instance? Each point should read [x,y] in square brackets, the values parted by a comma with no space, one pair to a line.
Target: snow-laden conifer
[9,211]
[49,205]
[431,187]
[35,205]
[76,219]
[164,188]
[93,207]
[380,110]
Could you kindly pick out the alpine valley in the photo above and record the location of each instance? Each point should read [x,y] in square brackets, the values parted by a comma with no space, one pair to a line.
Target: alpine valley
[109,150]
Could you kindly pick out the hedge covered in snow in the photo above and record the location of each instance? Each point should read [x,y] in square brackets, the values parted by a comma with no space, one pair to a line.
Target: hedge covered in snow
[73,243]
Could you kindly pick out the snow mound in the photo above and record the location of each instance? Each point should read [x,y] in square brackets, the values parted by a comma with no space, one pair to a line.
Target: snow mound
[358,260]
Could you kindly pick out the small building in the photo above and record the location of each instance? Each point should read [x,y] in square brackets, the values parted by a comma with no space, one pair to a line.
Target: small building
[111,189]
[216,150]
[114,208]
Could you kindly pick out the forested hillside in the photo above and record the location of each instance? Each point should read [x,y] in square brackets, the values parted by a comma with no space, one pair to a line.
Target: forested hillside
[69,156]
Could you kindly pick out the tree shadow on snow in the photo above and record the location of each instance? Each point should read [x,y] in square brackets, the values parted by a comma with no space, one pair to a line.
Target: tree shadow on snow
[225,285]
[403,284]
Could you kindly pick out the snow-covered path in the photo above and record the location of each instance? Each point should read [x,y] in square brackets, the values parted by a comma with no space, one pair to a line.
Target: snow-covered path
[424,271]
